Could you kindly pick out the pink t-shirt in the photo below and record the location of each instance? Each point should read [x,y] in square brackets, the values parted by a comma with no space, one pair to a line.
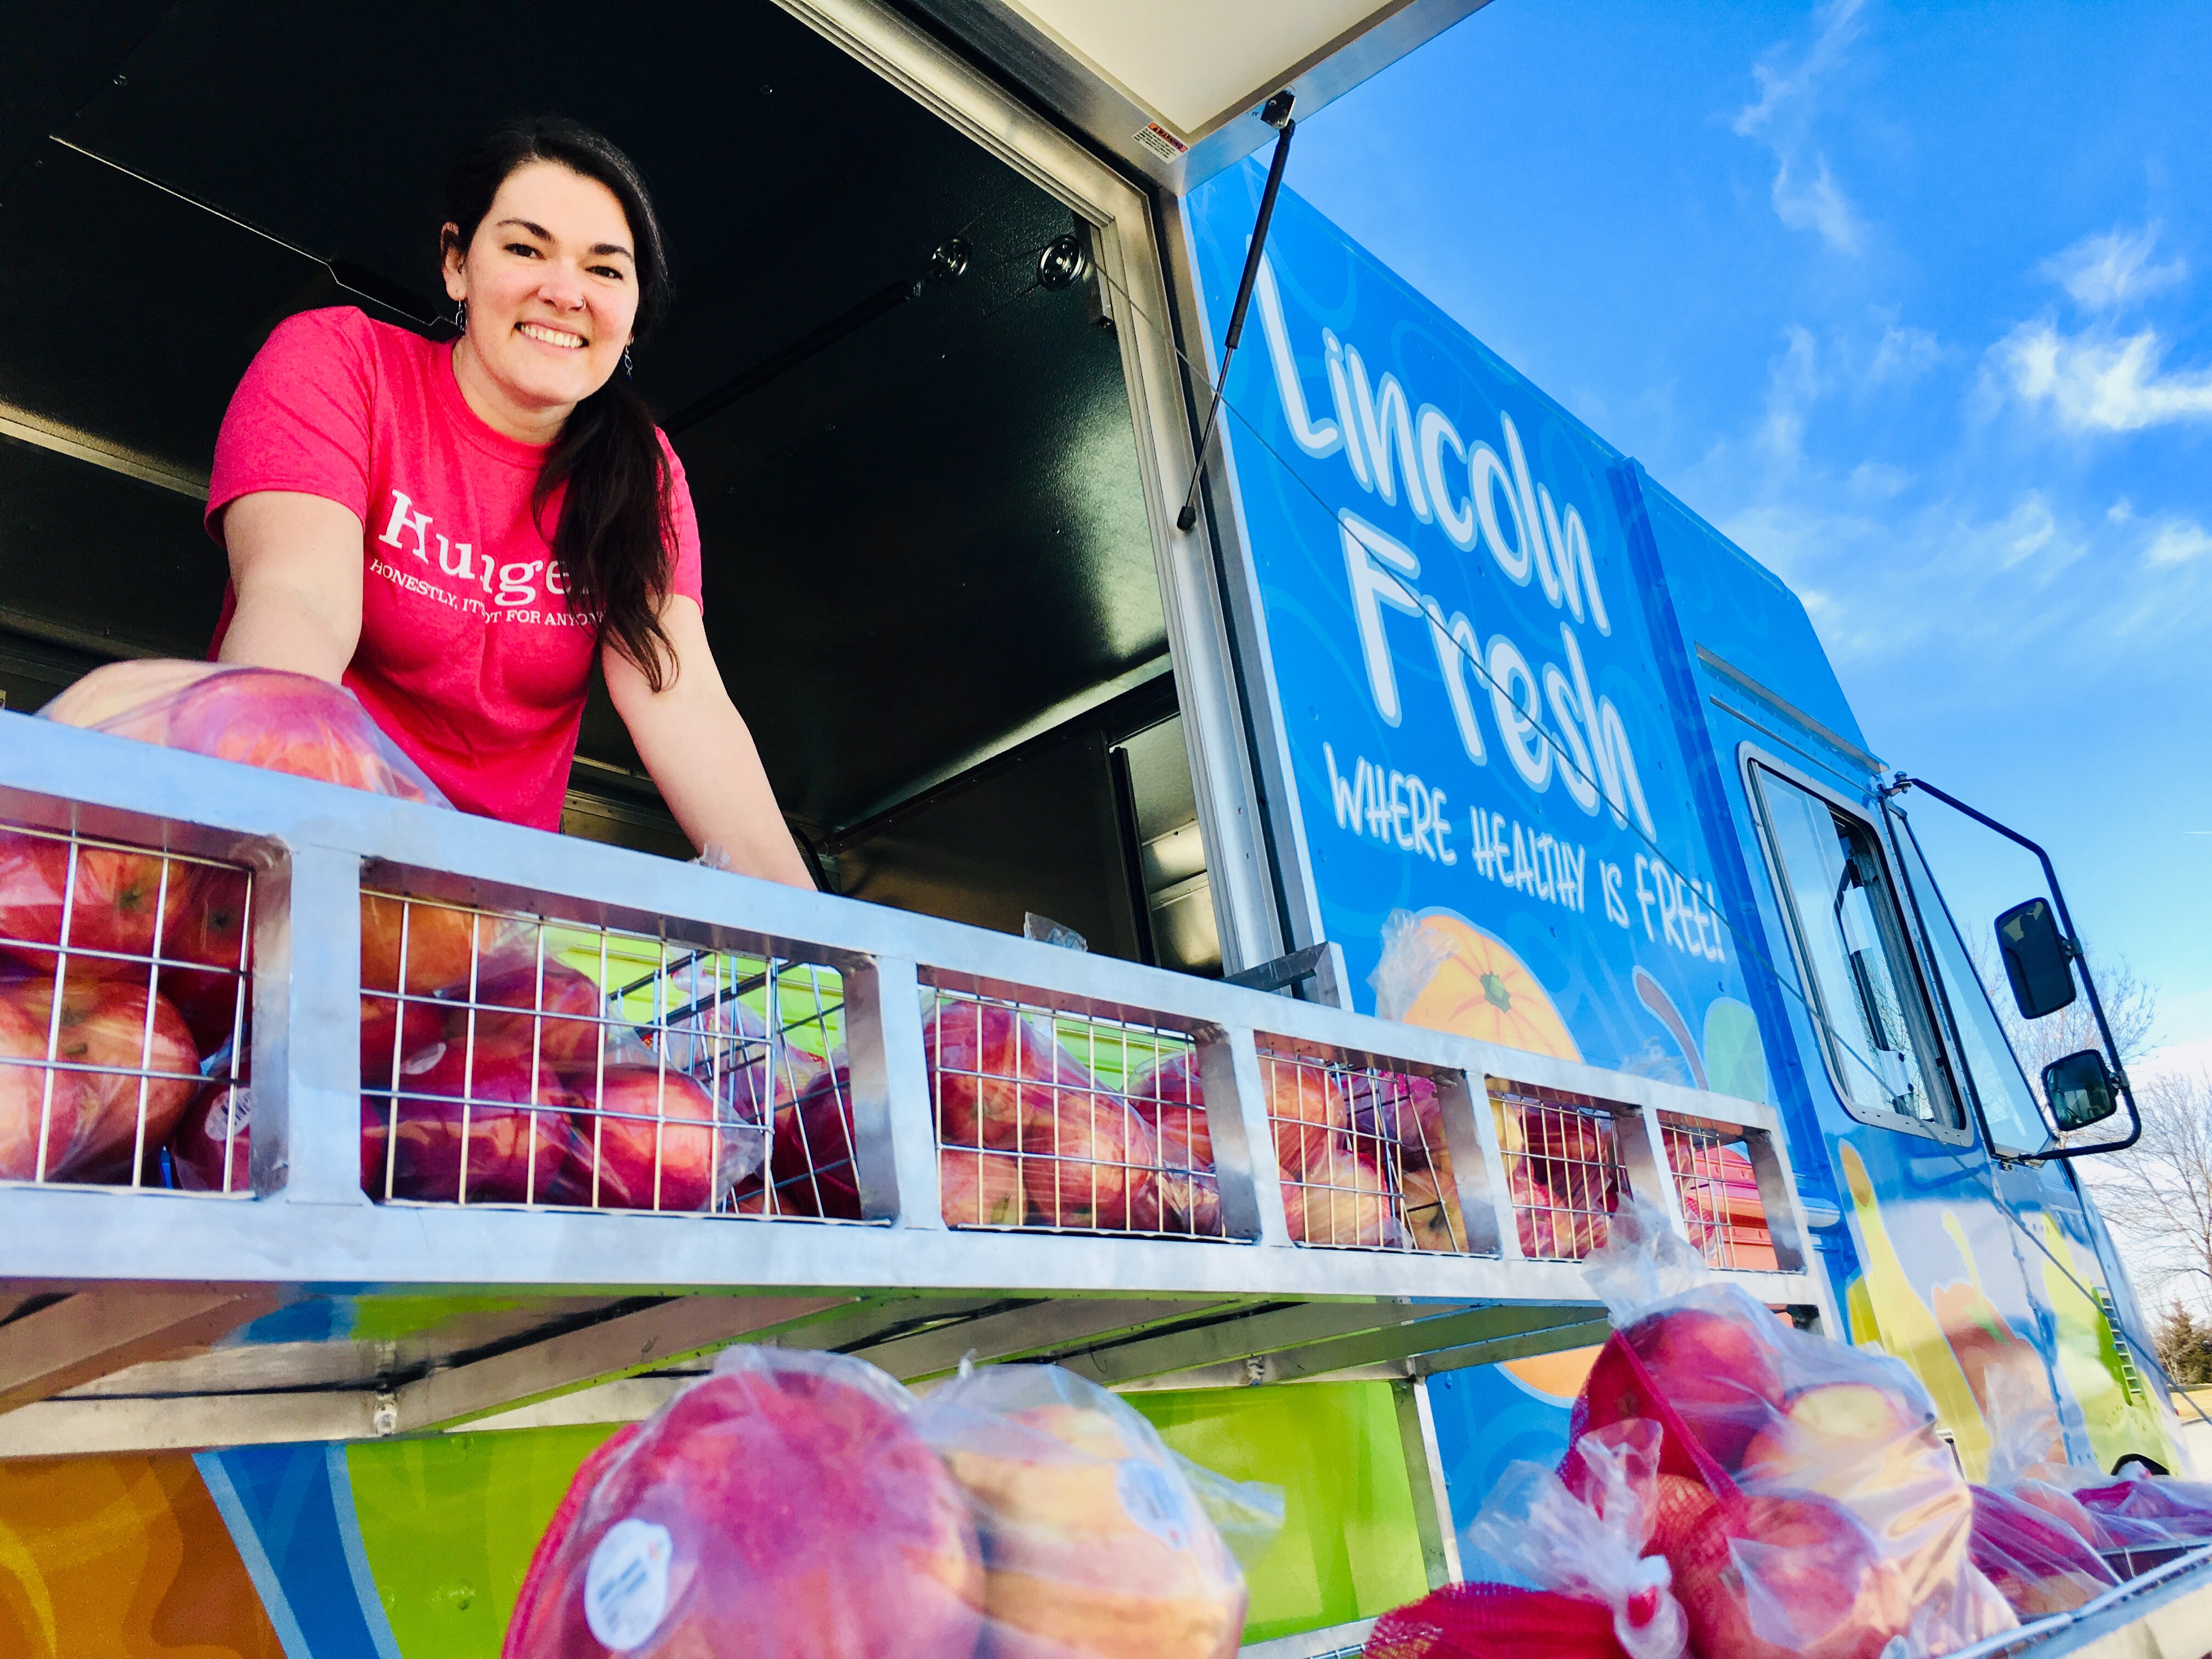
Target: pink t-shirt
[469,657]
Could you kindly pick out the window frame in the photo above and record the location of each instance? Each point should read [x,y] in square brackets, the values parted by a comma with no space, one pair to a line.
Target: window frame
[1939,1066]
[1900,828]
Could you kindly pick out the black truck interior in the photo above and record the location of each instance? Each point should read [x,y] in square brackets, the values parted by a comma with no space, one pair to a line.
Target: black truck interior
[929,580]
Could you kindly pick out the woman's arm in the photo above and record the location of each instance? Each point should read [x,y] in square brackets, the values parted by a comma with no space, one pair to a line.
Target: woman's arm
[295,562]
[694,743]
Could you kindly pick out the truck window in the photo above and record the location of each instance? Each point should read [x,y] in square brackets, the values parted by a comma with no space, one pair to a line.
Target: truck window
[1854,960]
[2009,1115]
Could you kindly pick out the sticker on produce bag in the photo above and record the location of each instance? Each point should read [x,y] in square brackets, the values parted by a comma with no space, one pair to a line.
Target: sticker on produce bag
[626,1586]
[1148,1492]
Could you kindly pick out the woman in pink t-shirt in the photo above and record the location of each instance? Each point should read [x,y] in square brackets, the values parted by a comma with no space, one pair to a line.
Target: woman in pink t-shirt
[456,533]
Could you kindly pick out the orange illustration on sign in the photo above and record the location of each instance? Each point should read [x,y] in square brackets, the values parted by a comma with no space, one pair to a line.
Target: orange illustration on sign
[1481,989]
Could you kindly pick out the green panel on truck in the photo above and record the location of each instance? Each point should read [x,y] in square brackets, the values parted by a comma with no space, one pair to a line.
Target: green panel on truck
[448,1523]
[1349,1548]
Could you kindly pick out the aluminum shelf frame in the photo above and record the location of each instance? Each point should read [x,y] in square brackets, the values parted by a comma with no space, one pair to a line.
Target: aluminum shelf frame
[111,1301]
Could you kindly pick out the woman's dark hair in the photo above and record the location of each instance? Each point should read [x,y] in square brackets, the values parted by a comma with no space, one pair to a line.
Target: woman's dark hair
[614,543]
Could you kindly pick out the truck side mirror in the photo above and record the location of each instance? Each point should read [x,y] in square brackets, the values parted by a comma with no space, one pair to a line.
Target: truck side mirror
[2036,959]
[2080,1089]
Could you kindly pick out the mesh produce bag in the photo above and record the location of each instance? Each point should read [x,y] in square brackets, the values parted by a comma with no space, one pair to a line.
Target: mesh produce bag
[265,717]
[1596,1595]
[1098,1542]
[784,1508]
[1817,1512]
[1495,1621]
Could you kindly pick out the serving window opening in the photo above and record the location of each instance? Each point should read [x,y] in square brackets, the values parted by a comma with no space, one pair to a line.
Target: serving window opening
[892,374]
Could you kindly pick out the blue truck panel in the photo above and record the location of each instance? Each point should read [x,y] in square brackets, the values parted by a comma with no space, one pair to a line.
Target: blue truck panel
[1531,700]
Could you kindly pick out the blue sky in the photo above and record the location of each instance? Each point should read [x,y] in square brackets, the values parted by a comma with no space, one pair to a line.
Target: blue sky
[1916,304]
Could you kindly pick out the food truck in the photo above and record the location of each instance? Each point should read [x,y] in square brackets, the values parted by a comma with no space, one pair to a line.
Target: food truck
[1100,544]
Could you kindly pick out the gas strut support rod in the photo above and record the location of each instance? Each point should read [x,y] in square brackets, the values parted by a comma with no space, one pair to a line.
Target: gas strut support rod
[1277,114]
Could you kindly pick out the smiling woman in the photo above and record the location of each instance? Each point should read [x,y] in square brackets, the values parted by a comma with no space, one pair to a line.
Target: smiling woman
[455,532]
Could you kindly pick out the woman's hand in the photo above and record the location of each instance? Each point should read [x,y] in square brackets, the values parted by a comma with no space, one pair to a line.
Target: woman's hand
[696,747]
[295,564]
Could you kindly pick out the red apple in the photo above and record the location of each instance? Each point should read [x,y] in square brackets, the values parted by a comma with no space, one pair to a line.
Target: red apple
[1837,1438]
[478,1133]
[1171,1100]
[212,1148]
[981,1189]
[1348,1201]
[420,1023]
[1092,1163]
[210,932]
[654,1142]
[118,901]
[561,1004]
[810,1169]
[796,1515]
[1681,1507]
[1788,1578]
[1718,1371]
[441,944]
[2062,1506]
[2039,1564]
[992,1068]
[1311,1113]
[91,1119]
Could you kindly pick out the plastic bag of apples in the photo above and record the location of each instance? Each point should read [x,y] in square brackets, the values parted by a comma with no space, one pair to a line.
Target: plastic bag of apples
[1098,1542]
[801,1505]
[1592,1591]
[116,903]
[1807,1505]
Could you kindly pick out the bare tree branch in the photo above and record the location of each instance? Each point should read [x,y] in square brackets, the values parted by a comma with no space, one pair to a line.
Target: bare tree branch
[2159,1192]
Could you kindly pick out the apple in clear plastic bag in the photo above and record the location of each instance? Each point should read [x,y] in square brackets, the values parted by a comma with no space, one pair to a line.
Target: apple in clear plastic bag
[653,1143]
[1346,1201]
[991,1069]
[1717,1370]
[979,1189]
[504,1126]
[1092,1163]
[1094,1549]
[1310,1113]
[91,1119]
[552,1001]
[1790,1578]
[118,902]
[781,1509]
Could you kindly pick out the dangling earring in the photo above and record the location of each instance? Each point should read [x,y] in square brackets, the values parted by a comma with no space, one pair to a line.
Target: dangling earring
[629,368]
[461,315]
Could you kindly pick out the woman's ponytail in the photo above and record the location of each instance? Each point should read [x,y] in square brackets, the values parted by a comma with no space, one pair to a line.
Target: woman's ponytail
[615,543]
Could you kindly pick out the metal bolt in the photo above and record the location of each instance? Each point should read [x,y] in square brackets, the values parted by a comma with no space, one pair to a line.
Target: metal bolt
[1063,264]
[948,261]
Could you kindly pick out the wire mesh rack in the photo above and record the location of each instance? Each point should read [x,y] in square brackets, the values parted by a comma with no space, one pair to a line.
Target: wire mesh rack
[125,991]
[1067,1121]
[512,1059]
[1362,1152]
[1721,1209]
[1563,1170]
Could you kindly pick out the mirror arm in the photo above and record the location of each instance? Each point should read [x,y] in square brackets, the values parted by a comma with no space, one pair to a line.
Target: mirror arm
[1903,782]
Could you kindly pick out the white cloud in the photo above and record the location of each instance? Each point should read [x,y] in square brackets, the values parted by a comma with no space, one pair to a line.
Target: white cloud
[2177,540]
[2104,273]
[1805,192]
[1904,356]
[1793,380]
[2095,380]
[1879,481]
